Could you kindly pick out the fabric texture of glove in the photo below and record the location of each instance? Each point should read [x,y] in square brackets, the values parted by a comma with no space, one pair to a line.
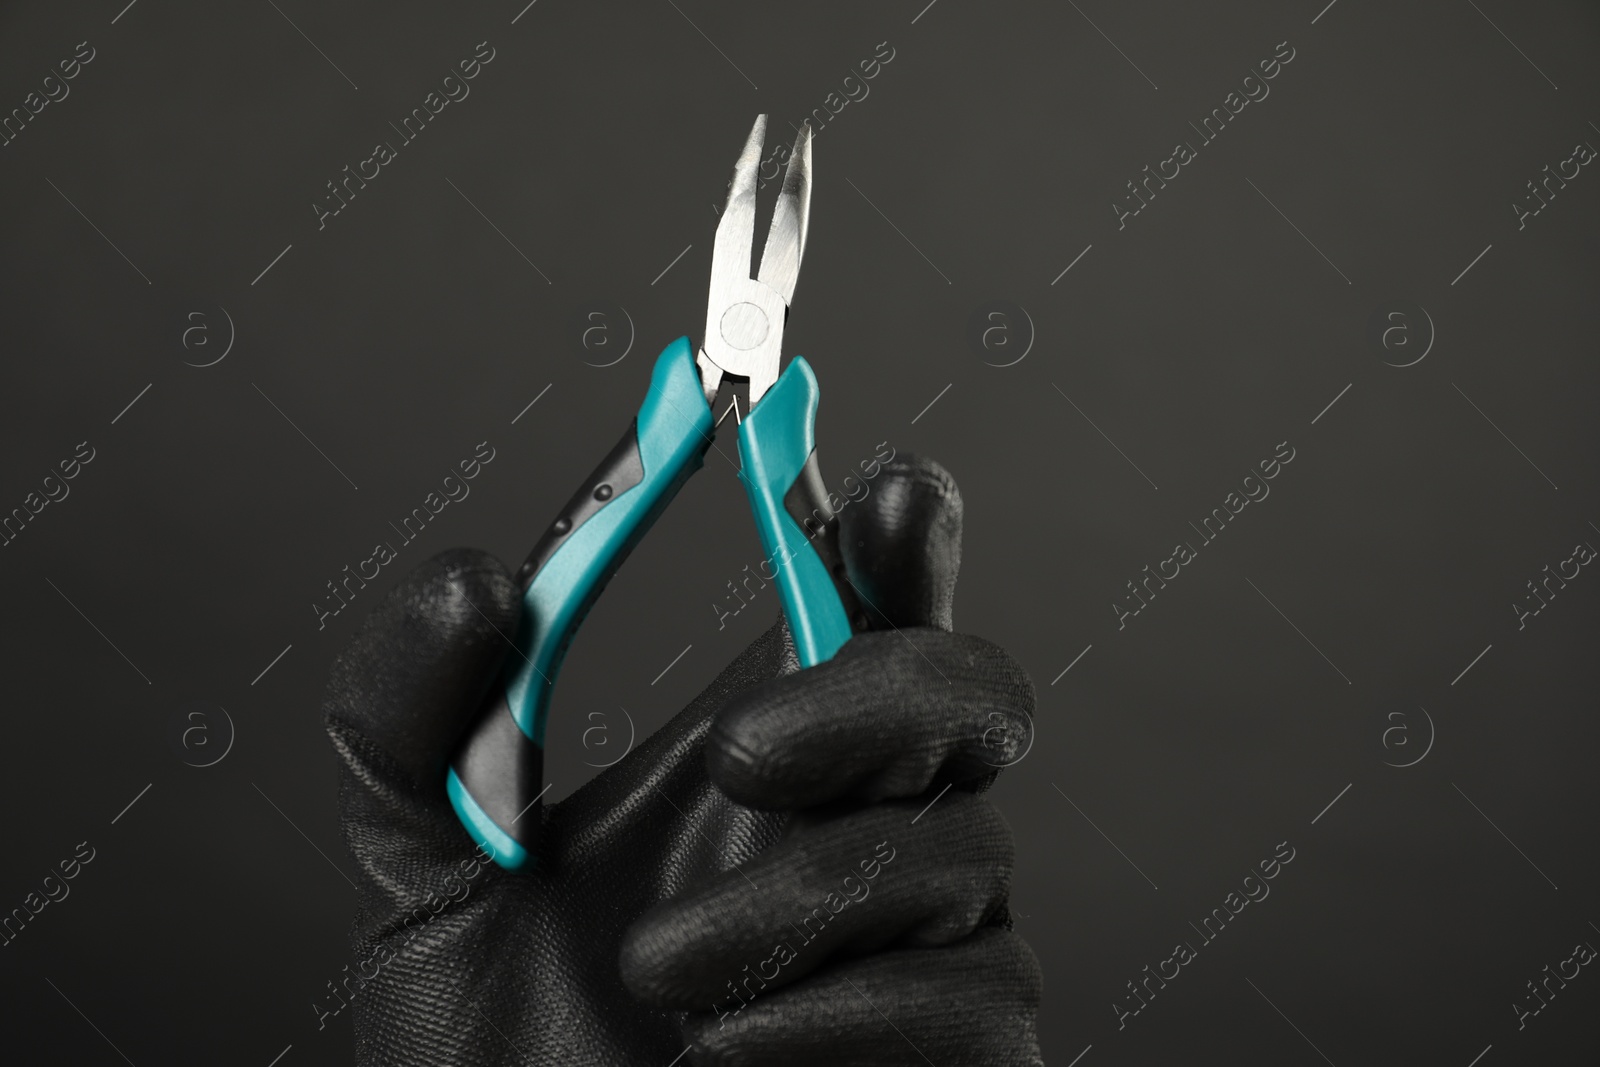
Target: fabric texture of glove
[799,867]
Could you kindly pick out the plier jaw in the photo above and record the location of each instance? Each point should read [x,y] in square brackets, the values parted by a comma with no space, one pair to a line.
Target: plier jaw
[745,315]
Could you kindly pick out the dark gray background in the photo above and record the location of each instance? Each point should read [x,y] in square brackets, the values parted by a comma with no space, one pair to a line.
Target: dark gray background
[1200,336]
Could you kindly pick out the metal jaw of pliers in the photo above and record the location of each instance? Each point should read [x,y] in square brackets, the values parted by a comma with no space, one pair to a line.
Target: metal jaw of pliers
[494,778]
[745,316]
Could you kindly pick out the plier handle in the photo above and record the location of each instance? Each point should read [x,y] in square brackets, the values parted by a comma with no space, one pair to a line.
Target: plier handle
[494,778]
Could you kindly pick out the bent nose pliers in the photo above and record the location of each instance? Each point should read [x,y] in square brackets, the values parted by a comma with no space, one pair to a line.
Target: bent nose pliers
[494,779]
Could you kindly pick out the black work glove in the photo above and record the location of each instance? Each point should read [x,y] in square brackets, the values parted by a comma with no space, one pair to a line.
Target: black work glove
[678,912]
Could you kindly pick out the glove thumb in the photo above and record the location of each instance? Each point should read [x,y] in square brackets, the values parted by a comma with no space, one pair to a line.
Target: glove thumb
[902,544]
[399,698]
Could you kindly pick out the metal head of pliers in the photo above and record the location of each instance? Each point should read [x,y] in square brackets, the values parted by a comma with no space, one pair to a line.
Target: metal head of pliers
[745,316]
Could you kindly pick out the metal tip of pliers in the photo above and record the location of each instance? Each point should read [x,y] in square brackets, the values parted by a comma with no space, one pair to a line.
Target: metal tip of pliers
[744,168]
[791,218]
[730,255]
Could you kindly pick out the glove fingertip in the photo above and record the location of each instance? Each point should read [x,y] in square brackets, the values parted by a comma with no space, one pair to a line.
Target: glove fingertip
[649,958]
[902,544]
[737,766]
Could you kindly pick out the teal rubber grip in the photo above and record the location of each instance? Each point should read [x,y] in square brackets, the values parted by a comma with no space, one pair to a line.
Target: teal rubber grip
[775,441]
[674,427]
[490,790]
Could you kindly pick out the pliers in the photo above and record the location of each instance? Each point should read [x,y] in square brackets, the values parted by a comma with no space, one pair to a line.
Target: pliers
[494,778]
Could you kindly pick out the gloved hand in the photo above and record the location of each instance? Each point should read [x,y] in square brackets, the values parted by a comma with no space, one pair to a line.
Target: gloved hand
[678,912]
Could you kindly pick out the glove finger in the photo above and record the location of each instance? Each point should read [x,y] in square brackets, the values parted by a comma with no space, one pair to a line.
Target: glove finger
[902,544]
[888,716]
[886,874]
[398,701]
[975,1003]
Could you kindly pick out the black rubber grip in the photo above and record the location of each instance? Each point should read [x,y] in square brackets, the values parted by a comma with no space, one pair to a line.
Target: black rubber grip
[806,501]
[502,768]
